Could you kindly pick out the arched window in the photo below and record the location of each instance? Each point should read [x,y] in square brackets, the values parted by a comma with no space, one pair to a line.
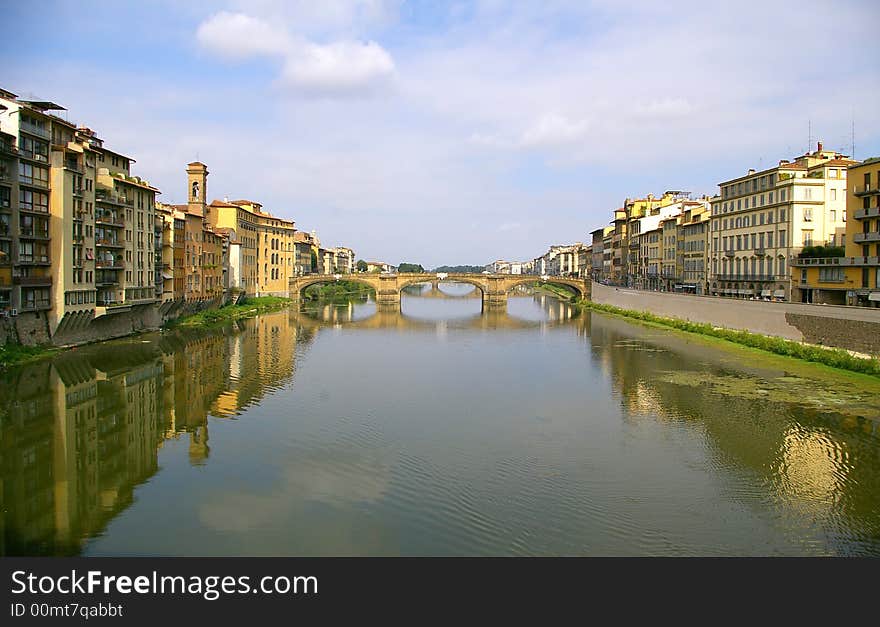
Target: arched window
[195,190]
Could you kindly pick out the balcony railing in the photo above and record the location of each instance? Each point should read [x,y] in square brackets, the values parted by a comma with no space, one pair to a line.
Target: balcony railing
[109,263]
[33,208]
[750,277]
[34,259]
[36,305]
[33,281]
[107,218]
[861,190]
[33,129]
[867,237]
[32,182]
[114,199]
[110,243]
[8,148]
[837,261]
[31,233]
[870,212]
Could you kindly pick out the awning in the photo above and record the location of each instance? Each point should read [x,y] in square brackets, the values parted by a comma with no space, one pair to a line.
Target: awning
[167,275]
[765,292]
[779,294]
[874,296]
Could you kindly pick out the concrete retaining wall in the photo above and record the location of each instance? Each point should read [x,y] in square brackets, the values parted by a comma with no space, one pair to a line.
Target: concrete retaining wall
[852,328]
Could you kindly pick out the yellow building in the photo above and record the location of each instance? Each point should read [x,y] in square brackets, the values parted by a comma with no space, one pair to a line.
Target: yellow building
[693,249]
[763,220]
[264,261]
[852,279]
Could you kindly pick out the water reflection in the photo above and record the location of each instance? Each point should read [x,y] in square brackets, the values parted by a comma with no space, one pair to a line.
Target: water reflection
[360,430]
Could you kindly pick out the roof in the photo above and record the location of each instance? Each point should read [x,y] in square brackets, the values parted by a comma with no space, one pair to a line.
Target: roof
[220,203]
[302,237]
[792,166]
[839,162]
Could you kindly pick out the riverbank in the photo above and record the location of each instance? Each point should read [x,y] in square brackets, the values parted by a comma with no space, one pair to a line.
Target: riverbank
[248,308]
[341,291]
[16,354]
[833,357]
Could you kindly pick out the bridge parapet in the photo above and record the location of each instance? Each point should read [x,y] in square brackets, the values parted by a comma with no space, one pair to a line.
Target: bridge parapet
[493,287]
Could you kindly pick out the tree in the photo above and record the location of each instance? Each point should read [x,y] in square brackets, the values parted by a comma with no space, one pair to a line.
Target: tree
[410,267]
[361,265]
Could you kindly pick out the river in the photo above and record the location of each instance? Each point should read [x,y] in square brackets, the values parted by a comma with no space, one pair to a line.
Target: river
[436,430]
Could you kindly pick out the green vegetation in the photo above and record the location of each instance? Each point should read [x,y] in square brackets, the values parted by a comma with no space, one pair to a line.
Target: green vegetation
[16,354]
[459,269]
[812,252]
[834,357]
[556,290]
[410,268]
[244,309]
[338,292]
[361,265]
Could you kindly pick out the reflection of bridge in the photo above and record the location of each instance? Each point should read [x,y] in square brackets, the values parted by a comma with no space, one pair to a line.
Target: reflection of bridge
[493,287]
[390,317]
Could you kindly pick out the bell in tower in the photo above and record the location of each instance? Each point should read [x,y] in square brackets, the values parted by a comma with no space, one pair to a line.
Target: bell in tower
[197,178]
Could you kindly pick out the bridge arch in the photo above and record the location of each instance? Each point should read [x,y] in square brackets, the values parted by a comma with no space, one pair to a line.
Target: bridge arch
[302,282]
[415,280]
[576,285]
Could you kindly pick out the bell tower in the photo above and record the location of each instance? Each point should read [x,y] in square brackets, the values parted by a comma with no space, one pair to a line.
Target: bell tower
[196,187]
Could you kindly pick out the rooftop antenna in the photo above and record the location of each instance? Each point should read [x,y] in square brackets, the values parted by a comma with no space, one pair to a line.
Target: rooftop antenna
[809,135]
[852,135]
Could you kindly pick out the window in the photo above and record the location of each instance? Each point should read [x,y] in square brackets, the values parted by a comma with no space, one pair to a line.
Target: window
[833,214]
[808,238]
[831,275]
[833,193]
[808,214]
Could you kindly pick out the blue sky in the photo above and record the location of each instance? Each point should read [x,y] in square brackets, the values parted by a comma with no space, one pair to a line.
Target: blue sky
[455,132]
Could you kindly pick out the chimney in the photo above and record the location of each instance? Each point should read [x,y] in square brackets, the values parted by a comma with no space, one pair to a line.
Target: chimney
[751,170]
[820,146]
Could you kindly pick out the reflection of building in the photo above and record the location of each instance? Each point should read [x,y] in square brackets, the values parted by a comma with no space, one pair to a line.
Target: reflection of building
[84,430]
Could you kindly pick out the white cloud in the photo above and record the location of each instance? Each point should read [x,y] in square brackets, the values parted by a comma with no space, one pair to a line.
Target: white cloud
[239,36]
[336,69]
[553,130]
[665,108]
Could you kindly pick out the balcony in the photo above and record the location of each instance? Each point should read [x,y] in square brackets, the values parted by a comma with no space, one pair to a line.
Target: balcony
[78,238]
[859,238]
[73,166]
[33,129]
[104,196]
[32,182]
[78,191]
[40,304]
[33,281]
[33,209]
[729,253]
[870,212]
[35,260]
[30,233]
[109,264]
[8,148]
[836,261]
[863,190]
[760,252]
[108,243]
[750,277]
[109,219]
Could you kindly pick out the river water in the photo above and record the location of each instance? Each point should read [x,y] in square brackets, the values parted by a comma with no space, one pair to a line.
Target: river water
[436,430]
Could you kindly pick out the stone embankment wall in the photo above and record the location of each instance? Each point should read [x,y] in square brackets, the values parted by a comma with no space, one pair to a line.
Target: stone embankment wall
[851,328]
[32,329]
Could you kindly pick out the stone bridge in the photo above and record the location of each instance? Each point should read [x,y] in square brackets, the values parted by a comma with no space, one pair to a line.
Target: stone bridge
[493,287]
